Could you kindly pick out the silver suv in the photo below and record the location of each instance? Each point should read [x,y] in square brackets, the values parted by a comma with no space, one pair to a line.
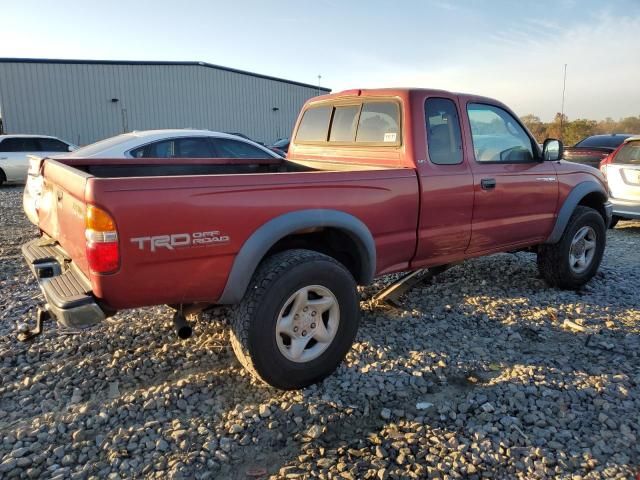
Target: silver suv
[622,170]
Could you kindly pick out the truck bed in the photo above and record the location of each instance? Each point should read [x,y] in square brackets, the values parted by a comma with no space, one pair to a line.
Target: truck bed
[151,198]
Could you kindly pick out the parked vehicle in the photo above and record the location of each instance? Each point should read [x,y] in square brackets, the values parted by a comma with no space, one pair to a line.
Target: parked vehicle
[376,182]
[592,150]
[15,151]
[622,171]
[178,143]
[281,146]
[246,137]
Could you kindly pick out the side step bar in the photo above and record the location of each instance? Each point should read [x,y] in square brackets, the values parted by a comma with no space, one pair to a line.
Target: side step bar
[392,293]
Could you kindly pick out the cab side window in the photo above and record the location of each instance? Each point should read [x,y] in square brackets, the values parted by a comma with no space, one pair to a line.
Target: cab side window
[497,135]
[444,140]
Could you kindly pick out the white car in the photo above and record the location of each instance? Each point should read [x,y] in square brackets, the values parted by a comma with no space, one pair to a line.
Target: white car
[16,149]
[175,143]
[622,171]
[178,143]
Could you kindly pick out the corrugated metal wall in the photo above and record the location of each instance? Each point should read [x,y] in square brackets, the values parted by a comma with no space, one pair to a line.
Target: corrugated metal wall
[73,101]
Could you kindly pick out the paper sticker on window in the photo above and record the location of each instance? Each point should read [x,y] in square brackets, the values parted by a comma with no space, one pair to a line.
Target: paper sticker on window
[390,137]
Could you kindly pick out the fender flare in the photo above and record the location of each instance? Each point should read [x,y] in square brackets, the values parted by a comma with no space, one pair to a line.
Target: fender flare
[580,191]
[260,241]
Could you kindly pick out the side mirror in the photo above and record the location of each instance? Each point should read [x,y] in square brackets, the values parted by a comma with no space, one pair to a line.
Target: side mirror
[71,148]
[552,149]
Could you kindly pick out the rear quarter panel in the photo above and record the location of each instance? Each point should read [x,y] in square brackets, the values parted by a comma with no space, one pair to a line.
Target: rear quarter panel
[235,206]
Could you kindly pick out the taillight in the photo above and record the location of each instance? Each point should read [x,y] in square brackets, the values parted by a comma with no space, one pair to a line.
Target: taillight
[604,162]
[103,252]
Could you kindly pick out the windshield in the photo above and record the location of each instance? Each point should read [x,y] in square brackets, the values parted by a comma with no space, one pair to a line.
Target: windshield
[608,141]
[95,148]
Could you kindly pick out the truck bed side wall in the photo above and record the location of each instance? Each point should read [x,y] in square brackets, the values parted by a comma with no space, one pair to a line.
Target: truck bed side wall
[234,207]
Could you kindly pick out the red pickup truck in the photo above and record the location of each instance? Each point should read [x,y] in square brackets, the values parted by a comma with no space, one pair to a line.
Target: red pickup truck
[376,182]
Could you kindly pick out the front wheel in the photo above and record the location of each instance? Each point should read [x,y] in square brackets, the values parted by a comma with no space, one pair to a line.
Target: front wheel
[575,259]
[297,320]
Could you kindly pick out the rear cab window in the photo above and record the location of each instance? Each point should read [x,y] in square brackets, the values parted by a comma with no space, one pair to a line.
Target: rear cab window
[358,122]
[314,125]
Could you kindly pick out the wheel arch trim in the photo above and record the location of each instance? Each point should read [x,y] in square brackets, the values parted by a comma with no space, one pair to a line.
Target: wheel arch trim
[258,244]
[574,198]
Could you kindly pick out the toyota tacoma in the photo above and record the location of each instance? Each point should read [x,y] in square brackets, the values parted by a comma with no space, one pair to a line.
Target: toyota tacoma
[375,182]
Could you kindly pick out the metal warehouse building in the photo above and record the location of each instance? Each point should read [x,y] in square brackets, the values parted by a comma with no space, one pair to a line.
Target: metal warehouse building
[85,100]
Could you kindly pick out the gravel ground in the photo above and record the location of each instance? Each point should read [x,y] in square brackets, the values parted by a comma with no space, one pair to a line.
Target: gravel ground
[480,375]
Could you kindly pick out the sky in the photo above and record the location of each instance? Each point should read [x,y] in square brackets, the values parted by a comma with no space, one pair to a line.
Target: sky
[512,50]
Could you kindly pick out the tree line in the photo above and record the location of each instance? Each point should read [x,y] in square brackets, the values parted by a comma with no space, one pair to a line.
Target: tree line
[571,132]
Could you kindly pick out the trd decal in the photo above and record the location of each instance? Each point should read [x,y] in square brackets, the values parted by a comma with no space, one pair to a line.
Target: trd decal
[180,240]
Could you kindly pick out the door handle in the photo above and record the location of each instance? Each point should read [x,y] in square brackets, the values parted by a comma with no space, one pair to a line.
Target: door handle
[488,183]
[4,158]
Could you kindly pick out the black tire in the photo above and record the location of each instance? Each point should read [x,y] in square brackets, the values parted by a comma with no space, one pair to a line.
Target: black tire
[253,321]
[553,260]
[3,177]
[614,221]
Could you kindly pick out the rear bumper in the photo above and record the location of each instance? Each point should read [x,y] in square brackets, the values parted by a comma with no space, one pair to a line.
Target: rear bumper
[625,208]
[65,288]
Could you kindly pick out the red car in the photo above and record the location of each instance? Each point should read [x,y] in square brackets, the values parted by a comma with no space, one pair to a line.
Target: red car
[376,182]
[592,150]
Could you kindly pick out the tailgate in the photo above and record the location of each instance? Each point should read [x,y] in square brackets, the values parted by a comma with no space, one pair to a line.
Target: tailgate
[61,209]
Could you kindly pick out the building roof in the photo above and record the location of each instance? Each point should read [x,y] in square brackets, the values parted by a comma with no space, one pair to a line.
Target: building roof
[136,62]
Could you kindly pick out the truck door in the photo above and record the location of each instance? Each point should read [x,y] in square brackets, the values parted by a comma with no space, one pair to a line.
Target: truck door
[446,181]
[515,193]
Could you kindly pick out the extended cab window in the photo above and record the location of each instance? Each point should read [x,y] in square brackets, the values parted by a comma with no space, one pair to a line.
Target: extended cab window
[443,131]
[379,123]
[497,136]
[314,125]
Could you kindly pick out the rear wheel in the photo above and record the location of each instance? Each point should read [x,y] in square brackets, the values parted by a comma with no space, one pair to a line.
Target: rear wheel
[3,177]
[575,259]
[297,320]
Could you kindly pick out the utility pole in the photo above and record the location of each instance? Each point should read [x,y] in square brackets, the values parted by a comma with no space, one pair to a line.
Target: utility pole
[564,86]
[319,77]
